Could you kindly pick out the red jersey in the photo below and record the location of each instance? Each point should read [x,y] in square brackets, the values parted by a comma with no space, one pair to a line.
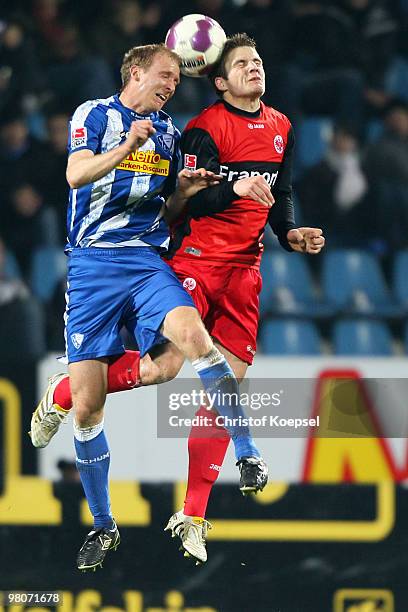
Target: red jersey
[219,227]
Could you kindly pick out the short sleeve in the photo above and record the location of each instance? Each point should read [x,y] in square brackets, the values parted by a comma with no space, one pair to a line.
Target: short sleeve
[85,128]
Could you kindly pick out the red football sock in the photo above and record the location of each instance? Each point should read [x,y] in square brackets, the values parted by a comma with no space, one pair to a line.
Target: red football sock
[62,394]
[123,374]
[206,455]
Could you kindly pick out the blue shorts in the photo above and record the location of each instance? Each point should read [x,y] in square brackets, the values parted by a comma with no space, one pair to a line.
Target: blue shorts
[112,288]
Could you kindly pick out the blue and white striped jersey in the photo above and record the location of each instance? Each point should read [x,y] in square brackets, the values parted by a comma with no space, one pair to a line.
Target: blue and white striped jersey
[125,207]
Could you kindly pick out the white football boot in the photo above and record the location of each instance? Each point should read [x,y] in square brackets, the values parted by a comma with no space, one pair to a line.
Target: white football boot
[192,531]
[48,416]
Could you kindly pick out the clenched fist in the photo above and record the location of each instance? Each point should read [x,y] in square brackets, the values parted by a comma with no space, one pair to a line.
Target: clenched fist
[306,239]
[139,133]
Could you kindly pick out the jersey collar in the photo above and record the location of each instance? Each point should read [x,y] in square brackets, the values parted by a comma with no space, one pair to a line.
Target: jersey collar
[132,113]
[238,111]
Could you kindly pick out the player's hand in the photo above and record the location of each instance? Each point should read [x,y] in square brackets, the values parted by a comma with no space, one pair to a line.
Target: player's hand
[255,188]
[191,182]
[139,133]
[306,239]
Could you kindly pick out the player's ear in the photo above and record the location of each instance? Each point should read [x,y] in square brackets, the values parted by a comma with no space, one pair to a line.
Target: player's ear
[135,72]
[220,84]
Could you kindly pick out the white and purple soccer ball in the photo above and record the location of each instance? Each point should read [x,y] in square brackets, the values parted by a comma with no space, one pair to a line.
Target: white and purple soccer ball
[199,41]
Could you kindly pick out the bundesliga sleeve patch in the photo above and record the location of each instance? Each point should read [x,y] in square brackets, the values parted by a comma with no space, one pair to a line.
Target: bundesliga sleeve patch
[190,161]
[78,137]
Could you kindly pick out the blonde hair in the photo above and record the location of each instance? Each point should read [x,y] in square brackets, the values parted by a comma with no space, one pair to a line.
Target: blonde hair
[143,56]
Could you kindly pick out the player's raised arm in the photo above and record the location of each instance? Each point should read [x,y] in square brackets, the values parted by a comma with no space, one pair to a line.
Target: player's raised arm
[85,167]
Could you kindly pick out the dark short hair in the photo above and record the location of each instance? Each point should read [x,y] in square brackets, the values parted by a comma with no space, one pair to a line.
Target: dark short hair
[143,56]
[233,42]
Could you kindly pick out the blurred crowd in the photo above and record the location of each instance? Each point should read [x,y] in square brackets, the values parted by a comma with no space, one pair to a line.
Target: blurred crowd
[342,63]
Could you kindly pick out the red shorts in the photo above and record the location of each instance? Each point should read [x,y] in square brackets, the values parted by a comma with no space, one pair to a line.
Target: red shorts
[227,299]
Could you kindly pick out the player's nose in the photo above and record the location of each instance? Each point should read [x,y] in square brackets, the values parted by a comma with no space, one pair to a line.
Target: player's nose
[253,66]
[171,88]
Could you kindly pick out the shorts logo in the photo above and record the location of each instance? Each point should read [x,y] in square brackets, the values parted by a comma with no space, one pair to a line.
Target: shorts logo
[189,283]
[250,349]
[278,144]
[78,137]
[77,340]
[190,161]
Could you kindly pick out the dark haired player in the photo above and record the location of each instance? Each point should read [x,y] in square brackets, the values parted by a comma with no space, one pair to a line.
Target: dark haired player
[218,241]
[218,262]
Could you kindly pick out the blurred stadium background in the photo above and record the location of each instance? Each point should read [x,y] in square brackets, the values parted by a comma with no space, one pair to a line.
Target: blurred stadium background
[330,533]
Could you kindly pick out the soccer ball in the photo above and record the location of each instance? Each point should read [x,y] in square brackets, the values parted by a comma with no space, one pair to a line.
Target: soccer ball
[199,41]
